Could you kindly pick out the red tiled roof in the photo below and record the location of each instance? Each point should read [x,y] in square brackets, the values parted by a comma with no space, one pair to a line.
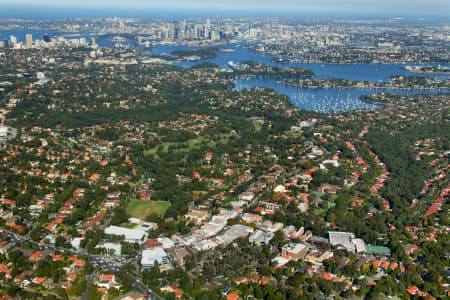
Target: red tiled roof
[232,296]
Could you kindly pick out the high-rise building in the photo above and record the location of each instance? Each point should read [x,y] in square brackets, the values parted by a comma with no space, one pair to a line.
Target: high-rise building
[171,31]
[197,31]
[207,28]
[47,38]
[13,40]
[182,30]
[215,36]
[29,40]
[121,24]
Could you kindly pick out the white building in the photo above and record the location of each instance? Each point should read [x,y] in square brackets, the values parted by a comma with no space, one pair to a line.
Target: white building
[149,257]
[347,241]
[40,76]
[268,226]
[166,242]
[323,165]
[4,130]
[112,248]
[131,235]
[76,243]
[239,203]
[261,238]
[279,189]
[247,196]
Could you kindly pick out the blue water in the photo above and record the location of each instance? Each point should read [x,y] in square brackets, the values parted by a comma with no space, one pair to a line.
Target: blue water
[320,100]
[369,72]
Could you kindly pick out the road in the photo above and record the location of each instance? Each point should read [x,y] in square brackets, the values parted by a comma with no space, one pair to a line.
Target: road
[89,281]
[103,262]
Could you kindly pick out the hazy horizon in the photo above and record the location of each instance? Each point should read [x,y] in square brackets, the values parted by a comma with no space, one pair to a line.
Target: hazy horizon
[200,8]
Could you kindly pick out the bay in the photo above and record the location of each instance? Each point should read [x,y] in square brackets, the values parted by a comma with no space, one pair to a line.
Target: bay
[323,100]
[320,100]
[238,53]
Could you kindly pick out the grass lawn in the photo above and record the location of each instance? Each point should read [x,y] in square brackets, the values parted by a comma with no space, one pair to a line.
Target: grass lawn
[142,208]
[257,126]
[192,144]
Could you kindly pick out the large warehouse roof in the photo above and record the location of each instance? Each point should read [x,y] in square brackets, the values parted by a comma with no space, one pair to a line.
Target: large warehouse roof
[130,234]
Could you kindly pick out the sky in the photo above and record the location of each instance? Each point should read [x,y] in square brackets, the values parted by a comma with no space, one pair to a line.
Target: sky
[388,7]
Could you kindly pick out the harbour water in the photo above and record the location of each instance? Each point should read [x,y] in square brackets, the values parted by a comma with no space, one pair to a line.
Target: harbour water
[320,100]
[239,53]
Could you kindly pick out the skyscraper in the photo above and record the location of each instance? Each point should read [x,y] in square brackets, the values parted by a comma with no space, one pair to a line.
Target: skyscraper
[29,40]
[197,31]
[207,28]
[13,40]
[47,38]
[171,31]
[182,29]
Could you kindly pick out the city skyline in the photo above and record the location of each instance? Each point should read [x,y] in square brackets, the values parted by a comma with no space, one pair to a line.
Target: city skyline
[248,7]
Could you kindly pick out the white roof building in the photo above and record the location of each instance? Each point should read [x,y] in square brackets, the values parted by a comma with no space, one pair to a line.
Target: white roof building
[131,235]
[347,241]
[270,227]
[76,242]
[239,203]
[113,248]
[146,226]
[279,261]
[204,245]
[4,131]
[360,245]
[252,218]
[323,166]
[261,238]
[234,232]
[166,242]
[149,257]
[247,196]
[279,189]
